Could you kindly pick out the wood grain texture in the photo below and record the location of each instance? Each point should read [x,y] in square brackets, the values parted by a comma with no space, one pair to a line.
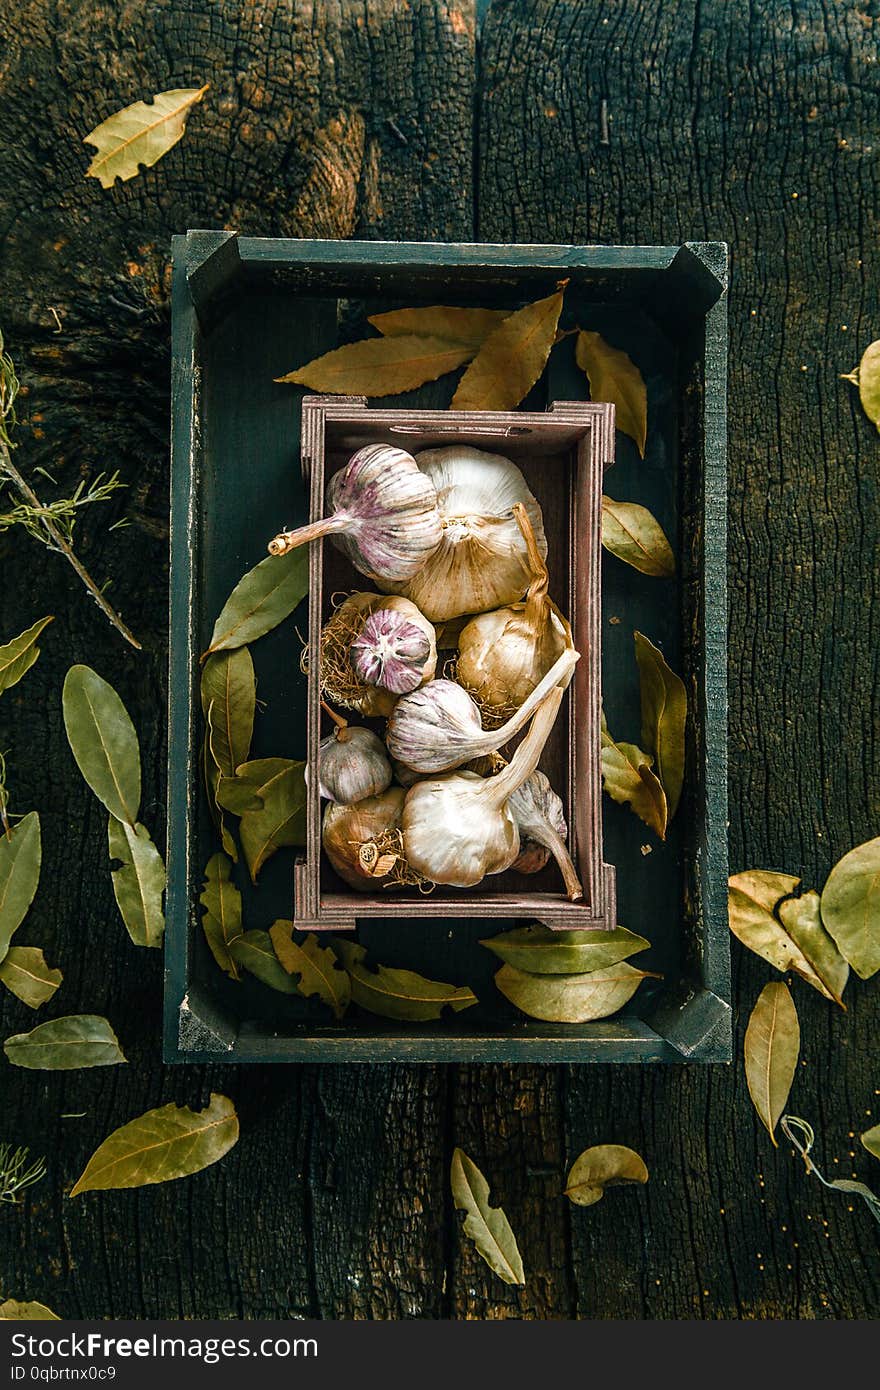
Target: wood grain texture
[335,1201]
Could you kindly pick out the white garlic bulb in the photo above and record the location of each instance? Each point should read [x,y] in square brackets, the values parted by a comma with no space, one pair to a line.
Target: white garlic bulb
[364,842]
[482,560]
[340,678]
[459,828]
[540,820]
[352,763]
[438,727]
[383,515]
[504,654]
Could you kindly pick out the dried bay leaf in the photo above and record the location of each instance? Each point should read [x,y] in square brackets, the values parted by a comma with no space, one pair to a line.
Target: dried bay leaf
[229,690]
[512,358]
[635,536]
[66,1044]
[466,326]
[487,1226]
[664,714]
[25,974]
[213,780]
[281,820]
[140,134]
[772,1045]
[139,882]
[802,920]
[381,366]
[20,858]
[604,1165]
[851,907]
[261,599]
[315,968]
[871,1140]
[221,921]
[103,741]
[242,792]
[540,951]
[170,1142]
[254,951]
[399,994]
[18,656]
[13,1311]
[867,377]
[628,778]
[570,998]
[614,377]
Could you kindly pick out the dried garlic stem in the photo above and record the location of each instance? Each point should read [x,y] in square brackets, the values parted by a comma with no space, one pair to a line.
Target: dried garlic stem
[289,540]
[560,674]
[527,756]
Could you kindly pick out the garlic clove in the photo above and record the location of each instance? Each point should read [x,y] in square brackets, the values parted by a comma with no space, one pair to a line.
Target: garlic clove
[353,764]
[396,648]
[540,819]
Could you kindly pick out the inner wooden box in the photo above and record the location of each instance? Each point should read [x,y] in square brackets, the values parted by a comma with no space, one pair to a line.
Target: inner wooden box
[562,454]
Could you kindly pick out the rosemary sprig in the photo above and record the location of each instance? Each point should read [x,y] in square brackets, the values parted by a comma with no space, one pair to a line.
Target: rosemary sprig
[15,1174]
[51,524]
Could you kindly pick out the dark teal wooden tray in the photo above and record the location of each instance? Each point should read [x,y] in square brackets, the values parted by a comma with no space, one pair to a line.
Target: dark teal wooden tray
[246,310]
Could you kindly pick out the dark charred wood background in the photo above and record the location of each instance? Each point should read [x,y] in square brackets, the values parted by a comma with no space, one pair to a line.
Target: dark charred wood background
[758,123]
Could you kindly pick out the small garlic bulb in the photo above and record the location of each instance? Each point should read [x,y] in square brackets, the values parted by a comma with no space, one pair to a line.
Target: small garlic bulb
[383,515]
[504,654]
[481,562]
[396,649]
[364,842]
[352,763]
[459,828]
[438,727]
[340,678]
[540,820]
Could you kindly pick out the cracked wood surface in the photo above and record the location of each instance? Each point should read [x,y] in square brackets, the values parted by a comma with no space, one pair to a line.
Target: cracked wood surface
[381,120]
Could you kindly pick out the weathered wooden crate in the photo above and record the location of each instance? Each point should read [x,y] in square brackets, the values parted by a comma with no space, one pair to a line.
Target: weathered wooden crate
[562,454]
[245,311]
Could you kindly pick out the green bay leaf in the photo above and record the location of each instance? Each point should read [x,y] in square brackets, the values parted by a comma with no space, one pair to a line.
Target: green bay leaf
[540,951]
[867,377]
[18,655]
[315,968]
[664,715]
[221,920]
[850,907]
[871,1140]
[281,820]
[604,1165]
[242,792]
[66,1044]
[570,998]
[170,1142]
[213,779]
[103,741]
[138,884]
[487,1226]
[262,599]
[771,1048]
[25,974]
[802,920]
[20,859]
[399,994]
[229,690]
[255,952]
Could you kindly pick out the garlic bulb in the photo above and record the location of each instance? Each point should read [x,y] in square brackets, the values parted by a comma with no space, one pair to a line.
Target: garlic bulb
[352,763]
[383,515]
[396,649]
[504,654]
[540,820]
[364,842]
[438,727]
[481,561]
[459,828]
[340,680]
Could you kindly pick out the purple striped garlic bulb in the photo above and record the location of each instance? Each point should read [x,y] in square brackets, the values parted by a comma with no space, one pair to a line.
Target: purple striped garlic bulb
[383,515]
[396,649]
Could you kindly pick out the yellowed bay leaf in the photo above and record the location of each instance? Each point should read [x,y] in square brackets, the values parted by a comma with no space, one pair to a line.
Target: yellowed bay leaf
[784,930]
[570,998]
[171,1142]
[614,377]
[221,921]
[867,377]
[140,134]
[801,918]
[871,1140]
[280,820]
[25,974]
[604,1165]
[664,715]
[381,366]
[487,1226]
[542,951]
[399,994]
[13,1311]
[466,326]
[628,779]
[18,655]
[512,358]
[138,881]
[255,952]
[632,534]
[851,907]
[315,968]
[772,1044]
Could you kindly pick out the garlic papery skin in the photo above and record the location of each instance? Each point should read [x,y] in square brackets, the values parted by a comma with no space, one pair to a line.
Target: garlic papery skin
[459,828]
[540,820]
[352,764]
[504,654]
[481,561]
[396,649]
[364,842]
[340,681]
[438,727]
[383,515]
